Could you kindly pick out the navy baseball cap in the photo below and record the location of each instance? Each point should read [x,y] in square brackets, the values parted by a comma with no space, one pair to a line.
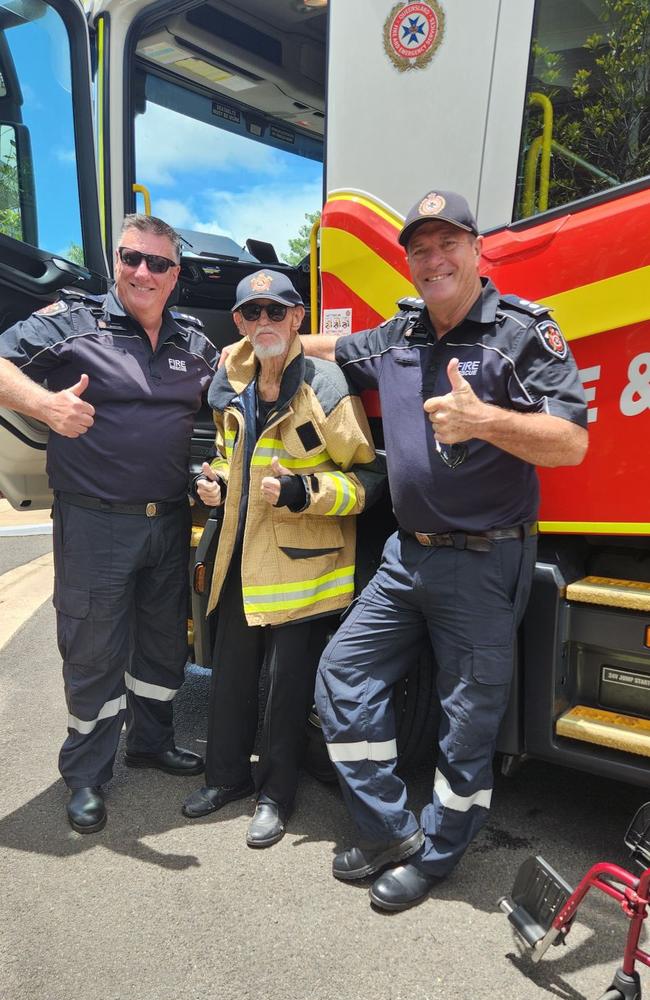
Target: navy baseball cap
[447,206]
[266,285]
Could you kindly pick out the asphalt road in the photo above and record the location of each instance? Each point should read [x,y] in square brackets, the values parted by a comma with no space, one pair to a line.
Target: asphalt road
[156,907]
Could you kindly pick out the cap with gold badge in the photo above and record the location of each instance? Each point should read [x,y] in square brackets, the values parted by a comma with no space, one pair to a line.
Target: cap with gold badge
[445,206]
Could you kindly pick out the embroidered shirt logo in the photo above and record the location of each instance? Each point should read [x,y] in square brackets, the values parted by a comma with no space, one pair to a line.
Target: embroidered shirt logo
[468,368]
[177,365]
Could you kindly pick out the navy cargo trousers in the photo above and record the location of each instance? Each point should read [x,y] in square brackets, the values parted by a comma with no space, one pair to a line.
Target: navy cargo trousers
[469,604]
[121,596]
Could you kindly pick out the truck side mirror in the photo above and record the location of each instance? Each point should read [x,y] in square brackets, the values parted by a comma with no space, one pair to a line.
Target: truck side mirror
[17,200]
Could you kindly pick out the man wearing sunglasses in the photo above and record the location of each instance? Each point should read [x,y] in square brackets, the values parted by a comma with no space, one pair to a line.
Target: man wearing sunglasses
[476,389]
[125,376]
[295,464]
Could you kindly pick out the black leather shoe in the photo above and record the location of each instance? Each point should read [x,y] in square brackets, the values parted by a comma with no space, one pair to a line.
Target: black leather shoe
[175,761]
[266,826]
[359,862]
[208,799]
[86,809]
[401,887]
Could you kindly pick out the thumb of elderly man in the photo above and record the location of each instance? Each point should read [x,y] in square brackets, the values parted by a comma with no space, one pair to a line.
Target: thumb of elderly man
[208,486]
[271,485]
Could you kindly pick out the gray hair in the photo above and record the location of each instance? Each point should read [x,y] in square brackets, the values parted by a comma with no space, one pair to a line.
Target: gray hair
[151,224]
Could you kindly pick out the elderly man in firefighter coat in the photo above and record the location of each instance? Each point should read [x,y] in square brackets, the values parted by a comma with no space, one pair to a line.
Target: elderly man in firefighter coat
[295,463]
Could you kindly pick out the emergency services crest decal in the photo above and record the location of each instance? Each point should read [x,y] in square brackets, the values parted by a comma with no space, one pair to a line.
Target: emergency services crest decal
[412,33]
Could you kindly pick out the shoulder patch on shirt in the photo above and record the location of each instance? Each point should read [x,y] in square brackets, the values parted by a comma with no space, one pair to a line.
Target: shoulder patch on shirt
[552,340]
[185,320]
[525,305]
[52,309]
[409,303]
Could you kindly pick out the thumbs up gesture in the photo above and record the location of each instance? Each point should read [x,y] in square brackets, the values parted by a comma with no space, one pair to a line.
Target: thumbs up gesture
[456,416]
[67,413]
[208,486]
[271,485]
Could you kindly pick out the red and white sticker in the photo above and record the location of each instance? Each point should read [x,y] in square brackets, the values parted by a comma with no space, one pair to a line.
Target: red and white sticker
[414,30]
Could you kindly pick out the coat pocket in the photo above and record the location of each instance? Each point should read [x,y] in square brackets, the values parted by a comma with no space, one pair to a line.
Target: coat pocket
[308,536]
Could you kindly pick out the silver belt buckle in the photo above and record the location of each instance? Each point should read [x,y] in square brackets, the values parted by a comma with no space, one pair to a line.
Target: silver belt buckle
[151,509]
[423,538]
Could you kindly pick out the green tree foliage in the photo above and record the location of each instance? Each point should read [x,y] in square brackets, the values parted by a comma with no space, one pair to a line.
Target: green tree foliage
[299,246]
[10,222]
[603,116]
[75,253]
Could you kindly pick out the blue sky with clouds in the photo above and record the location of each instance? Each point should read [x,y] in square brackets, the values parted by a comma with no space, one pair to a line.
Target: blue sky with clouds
[205,178]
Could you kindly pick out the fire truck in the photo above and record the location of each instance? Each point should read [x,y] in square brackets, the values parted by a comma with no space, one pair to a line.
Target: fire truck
[221,116]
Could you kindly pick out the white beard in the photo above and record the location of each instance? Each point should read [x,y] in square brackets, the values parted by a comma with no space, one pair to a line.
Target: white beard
[263,351]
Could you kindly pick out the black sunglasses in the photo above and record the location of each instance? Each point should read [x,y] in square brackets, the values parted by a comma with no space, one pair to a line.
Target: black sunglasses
[253,310]
[156,264]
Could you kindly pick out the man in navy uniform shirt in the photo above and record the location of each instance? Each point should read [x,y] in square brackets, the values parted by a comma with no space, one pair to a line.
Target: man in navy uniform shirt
[476,389]
[125,377]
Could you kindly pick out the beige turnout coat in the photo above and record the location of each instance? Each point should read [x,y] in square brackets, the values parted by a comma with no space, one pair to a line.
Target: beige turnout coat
[294,565]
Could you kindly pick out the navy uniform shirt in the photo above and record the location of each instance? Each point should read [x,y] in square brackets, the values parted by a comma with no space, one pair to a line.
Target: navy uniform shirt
[514,356]
[139,446]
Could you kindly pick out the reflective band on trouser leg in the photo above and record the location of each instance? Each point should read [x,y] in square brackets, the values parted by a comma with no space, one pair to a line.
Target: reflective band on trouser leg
[387,750]
[144,690]
[460,803]
[107,711]
[301,594]
[345,493]
[452,820]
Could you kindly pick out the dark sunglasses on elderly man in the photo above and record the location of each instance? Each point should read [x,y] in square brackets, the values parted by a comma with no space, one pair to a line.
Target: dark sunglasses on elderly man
[155,263]
[252,311]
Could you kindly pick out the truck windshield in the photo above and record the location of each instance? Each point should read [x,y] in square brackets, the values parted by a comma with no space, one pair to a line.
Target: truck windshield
[214,165]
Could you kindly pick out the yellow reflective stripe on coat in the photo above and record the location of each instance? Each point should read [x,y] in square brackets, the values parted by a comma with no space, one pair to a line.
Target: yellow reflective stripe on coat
[301,593]
[346,493]
[229,441]
[266,448]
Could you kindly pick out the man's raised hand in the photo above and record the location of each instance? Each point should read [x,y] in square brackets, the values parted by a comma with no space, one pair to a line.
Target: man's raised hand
[456,416]
[271,485]
[67,413]
[208,487]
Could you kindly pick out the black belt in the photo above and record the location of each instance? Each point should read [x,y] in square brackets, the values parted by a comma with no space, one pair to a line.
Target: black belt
[153,508]
[478,541]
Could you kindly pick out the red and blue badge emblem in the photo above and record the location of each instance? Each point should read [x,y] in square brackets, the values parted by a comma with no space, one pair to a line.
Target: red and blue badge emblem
[412,33]
[552,340]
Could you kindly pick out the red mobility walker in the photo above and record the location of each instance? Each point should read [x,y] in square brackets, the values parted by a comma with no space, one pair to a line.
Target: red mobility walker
[542,907]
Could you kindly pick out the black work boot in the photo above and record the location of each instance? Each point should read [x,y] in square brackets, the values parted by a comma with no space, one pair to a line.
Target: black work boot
[359,862]
[86,809]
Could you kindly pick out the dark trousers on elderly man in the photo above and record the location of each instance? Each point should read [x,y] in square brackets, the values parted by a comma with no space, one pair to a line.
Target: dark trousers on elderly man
[284,659]
[468,604]
[120,593]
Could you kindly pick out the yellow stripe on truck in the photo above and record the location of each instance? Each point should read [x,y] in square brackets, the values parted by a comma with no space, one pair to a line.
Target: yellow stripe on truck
[363,271]
[603,305]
